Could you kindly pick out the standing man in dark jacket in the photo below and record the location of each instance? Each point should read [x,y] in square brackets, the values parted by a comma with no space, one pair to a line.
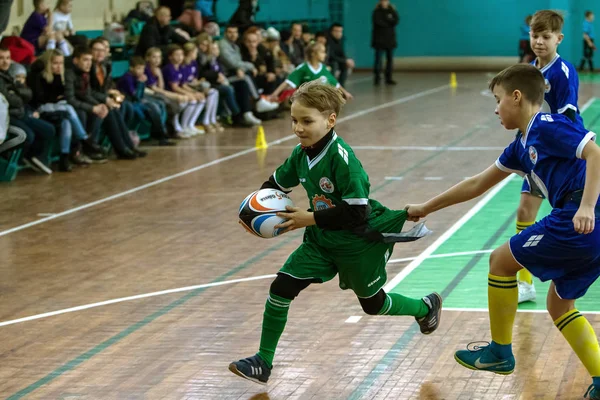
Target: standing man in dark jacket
[337,56]
[159,33]
[243,17]
[385,19]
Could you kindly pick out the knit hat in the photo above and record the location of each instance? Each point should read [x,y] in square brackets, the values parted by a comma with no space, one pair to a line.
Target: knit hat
[272,34]
[17,69]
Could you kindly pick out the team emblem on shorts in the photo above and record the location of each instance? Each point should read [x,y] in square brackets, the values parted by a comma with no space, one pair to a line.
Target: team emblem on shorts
[326,185]
[321,203]
[533,155]
[548,86]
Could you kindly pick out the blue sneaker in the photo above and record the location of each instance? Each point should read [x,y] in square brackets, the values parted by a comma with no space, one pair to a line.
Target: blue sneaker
[481,358]
[252,368]
[593,392]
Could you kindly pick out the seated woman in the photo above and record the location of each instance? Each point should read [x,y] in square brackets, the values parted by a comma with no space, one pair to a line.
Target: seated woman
[47,80]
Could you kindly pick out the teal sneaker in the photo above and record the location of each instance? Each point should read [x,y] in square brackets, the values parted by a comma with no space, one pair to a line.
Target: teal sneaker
[593,392]
[481,358]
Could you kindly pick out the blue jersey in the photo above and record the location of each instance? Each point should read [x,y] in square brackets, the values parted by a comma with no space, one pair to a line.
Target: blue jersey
[550,152]
[562,87]
[588,28]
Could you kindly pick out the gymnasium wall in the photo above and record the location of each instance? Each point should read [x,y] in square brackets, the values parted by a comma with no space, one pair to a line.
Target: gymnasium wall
[462,28]
[432,28]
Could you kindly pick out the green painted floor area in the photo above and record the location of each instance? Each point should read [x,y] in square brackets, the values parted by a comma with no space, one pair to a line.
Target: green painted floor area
[462,280]
[589,77]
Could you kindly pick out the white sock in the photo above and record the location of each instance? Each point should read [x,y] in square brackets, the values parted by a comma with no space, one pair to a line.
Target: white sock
[186,118]
[197,111]
[176,125]
[211,108]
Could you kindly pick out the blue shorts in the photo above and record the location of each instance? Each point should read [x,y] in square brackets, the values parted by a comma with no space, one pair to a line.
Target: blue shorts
[529,186]
[552,250]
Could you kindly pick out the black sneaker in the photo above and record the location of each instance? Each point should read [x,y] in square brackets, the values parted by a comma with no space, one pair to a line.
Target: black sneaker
[166,142]
[390,82]
[91,148]
[127,155]
[140,153]
[64,165]
[431,321]
[252,368]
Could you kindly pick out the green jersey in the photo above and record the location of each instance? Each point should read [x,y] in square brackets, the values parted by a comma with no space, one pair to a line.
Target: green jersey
[305,73]
[334,176]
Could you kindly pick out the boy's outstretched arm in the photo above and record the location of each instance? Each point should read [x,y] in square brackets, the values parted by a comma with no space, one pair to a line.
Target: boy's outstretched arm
[466,190]
[584,219]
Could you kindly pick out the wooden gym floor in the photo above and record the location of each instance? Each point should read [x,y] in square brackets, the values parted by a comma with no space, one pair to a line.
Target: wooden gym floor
[171,289]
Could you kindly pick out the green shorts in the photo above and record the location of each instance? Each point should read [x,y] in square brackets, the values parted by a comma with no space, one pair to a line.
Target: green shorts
[359,263]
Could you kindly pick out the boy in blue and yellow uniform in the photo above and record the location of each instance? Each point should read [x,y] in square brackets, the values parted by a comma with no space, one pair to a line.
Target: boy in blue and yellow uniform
[564,161]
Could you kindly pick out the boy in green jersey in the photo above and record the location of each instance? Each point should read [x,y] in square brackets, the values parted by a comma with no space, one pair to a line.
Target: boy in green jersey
[346,232]
[313,68]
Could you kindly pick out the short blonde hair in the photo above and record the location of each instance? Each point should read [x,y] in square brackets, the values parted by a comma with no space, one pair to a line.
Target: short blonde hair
[189,47]
[151,51]
[323,97]
[547,20]
[311,49]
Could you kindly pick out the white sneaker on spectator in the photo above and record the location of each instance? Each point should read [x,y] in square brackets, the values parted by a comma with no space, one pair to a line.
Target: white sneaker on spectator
[526,292]
[263,105]
[40,166]
[200,130]
[188,133]
[250,119]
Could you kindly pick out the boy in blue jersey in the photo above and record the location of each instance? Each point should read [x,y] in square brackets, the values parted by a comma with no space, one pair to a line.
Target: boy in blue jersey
[563,159]
[588,41]
[561,92]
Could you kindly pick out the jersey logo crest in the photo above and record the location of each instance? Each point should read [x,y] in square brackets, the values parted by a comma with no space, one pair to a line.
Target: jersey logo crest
[323,79]
[533,154]
[326,185]
[321,203]
[548,86]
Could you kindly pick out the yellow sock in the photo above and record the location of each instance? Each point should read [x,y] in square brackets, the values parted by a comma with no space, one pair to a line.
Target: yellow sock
[582,338]
[524,275]
[503,297]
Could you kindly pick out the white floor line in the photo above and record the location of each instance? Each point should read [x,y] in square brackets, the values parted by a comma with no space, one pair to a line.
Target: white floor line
[394,178]
[353,319]
[431,148]
[587,104]
[215,162]
[433,178]
[357,147]
[485,310]
[136,297]
[445,236]
[353,81]
[445,255]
